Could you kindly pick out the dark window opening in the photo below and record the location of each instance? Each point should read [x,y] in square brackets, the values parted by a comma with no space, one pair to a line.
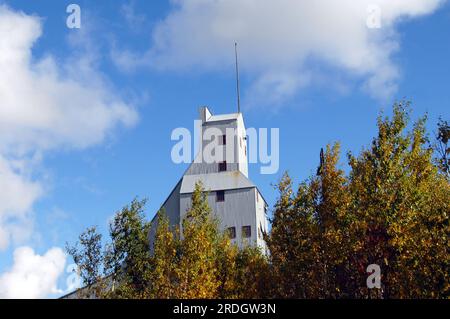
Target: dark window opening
[223,166]
[231,232]
[220,196]
[246,231]
[223,140]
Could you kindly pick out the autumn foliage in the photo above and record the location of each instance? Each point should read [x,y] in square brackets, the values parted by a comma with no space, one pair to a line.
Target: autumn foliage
[391,208]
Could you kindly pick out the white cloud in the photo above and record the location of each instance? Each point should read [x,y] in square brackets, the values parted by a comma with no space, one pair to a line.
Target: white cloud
[45,104]
[32,275]
[135,20]
[277,38]
[17,196]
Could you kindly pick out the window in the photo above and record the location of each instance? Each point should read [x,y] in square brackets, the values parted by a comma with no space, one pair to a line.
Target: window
[231,232]
[246,231]
[220,196]
[222,140]
[223,166]
[257,196]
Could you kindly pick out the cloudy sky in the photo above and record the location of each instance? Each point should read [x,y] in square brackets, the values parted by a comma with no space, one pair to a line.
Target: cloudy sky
[86,114]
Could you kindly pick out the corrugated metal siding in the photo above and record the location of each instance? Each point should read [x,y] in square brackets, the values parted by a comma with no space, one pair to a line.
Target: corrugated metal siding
[172,209]
[235,211]
[207,168]
[261,219]
[216,181]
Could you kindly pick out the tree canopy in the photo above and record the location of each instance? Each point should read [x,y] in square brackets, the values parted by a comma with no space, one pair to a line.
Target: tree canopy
[390,208]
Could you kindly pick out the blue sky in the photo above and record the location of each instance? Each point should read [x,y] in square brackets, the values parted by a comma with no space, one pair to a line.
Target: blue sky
[318,82]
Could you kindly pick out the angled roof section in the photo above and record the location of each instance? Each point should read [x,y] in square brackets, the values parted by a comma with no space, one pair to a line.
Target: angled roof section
[223,117]
[216,181]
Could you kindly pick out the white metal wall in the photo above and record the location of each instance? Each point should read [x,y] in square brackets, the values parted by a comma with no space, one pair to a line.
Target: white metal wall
[236,211]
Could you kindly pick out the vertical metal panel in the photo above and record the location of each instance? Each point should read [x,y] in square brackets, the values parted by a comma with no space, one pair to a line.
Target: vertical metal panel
[238,209]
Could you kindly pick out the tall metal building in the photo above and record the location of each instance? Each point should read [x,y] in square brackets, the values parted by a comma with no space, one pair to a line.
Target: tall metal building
[221,165]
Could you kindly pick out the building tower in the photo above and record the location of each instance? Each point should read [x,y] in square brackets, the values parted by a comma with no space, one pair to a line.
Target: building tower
[233,198]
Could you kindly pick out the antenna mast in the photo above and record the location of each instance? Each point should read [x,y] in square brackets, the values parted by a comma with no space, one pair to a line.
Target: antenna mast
[237,78]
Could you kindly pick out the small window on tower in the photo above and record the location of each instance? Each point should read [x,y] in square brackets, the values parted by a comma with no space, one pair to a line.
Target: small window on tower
[222,140]
[223,166]
[246,231]
[220,196]
[231,232]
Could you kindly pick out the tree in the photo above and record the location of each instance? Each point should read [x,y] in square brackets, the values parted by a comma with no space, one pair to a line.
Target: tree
[391,210]
[165,259]
[401,207]
[442,148]
[199,262]
[87,255]
[331,200]
[310,238]
[128,258]
[253,274]
[292,242]
[243,273]
[196,270]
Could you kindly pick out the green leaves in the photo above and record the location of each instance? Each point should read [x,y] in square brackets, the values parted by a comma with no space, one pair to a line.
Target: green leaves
[201,262]
[392,209]
[88,257]
[442,148]
[128,255]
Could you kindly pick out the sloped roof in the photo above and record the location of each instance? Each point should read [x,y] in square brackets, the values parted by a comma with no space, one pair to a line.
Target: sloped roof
[223,117]
[216,181]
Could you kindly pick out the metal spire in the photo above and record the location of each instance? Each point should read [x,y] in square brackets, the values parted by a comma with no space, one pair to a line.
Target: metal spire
[237,78]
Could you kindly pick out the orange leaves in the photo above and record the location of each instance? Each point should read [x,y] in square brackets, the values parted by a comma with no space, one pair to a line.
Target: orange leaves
[392,209]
